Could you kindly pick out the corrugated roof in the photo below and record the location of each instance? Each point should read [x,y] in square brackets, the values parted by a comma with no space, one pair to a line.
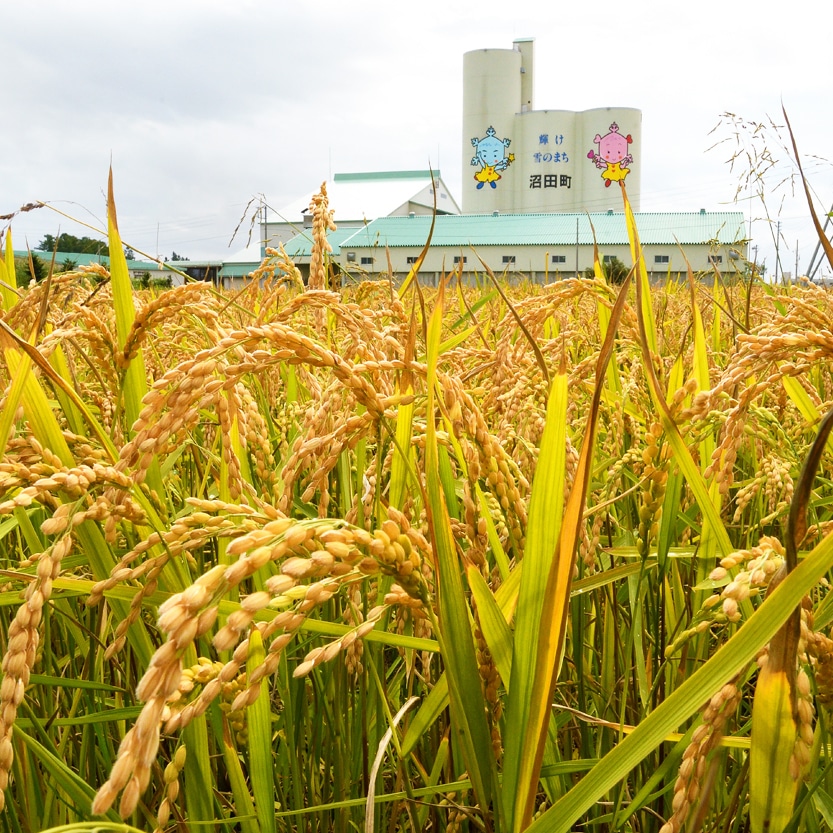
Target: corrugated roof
[300,246]
[77,258]
[724,227]
[80,259]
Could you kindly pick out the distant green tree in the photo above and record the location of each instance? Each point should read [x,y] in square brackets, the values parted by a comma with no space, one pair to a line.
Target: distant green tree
[70,243]
[614,270]
[69,264]
[129,254]
[175,257]
[24,273]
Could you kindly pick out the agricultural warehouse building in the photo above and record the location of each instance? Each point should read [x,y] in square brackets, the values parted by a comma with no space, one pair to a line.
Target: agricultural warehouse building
[357,198]
[544,247]
[521,160]
[139,270]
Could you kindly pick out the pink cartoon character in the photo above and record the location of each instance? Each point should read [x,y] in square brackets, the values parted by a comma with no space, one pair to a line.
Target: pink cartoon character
[613,157]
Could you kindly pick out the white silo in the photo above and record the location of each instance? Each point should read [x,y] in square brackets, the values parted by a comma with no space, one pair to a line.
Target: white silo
[521,160]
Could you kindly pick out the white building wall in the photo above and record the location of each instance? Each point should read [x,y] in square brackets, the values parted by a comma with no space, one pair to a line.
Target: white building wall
[536,262]
[491,98]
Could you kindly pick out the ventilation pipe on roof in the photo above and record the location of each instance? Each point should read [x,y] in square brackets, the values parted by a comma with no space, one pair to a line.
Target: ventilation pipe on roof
[411,215]
[495,213]
[702,210]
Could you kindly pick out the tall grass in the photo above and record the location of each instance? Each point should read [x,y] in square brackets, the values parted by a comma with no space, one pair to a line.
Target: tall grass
[396,558]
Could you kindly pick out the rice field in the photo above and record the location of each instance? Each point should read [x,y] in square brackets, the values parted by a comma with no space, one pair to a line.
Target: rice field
[474,558]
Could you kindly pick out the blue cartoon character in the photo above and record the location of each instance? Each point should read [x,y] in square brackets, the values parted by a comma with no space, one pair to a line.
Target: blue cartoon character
[613,157]
[490,154]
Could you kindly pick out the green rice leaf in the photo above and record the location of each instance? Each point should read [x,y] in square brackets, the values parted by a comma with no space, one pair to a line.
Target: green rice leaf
[496,631]
[539,642]
[688,698]
[261,763]
[682,455]
[70,782]
[525,713]
[468,711]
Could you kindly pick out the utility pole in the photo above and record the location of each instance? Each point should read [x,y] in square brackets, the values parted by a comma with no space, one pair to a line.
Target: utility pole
[577,271]
[777,248]
[795,275]
[814,265]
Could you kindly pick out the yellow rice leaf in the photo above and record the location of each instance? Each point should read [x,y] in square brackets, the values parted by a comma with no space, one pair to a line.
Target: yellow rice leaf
[134,385]
[541,623]
[414,270]
[772,790]
[642,282]
[800,399]
[8,279]
[402,462]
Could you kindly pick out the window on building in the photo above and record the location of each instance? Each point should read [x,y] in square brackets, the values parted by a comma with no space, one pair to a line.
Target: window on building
[608,258]
[411,259]
[660,258]
[715,258]
[509,258]
[559,258]
[458,259]
[366,261]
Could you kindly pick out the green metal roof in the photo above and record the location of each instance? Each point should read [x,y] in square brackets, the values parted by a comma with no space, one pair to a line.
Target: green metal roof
[60,257]
[696,227]
[80,259]
[300,246]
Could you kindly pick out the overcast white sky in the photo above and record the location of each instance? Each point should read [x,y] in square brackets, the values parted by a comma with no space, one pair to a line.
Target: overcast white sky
[204,104]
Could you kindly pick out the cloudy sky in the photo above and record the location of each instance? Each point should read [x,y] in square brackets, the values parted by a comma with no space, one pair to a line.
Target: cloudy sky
[203,105]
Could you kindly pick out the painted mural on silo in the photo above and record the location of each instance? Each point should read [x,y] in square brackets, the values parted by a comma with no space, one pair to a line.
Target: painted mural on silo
[491,156]
[549,177]
[613,155]
[492,94]
[523,160]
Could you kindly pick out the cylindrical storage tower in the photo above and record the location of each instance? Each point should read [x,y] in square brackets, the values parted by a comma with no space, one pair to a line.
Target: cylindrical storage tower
[491,98]
[521,160]
[611,151]
[548,162]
